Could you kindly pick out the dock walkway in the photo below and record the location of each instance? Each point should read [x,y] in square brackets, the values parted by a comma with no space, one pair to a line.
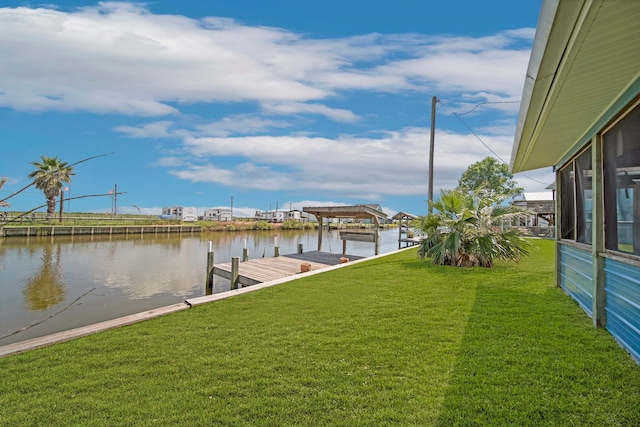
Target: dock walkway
[261,270]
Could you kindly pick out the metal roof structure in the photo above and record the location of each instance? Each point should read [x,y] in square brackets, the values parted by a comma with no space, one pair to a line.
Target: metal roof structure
[538,196]
[373,212]
[566,85]
[356,211]
[404,215]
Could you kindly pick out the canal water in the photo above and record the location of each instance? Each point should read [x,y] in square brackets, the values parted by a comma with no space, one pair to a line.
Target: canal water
[52,284]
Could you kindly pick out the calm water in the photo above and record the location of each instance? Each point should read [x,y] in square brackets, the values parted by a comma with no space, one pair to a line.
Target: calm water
[71,281]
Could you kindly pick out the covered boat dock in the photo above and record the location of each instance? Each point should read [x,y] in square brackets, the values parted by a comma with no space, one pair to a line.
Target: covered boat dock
[370,212]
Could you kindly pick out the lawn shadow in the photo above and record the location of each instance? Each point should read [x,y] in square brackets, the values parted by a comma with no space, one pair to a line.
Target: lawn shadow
[529,356]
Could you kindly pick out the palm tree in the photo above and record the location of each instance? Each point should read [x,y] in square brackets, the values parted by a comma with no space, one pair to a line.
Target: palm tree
[51,174]
[465,231]
[2,202]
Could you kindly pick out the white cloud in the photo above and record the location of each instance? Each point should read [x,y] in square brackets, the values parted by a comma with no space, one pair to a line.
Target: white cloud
[241,124]
[122,58]
[149,130]
[337,114]
[232,125]
[393,164]
[118,57]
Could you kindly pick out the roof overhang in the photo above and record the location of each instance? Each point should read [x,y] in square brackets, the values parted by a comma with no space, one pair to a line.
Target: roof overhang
[584,57]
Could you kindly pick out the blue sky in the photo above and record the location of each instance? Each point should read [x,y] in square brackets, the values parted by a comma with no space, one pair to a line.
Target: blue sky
[287,102]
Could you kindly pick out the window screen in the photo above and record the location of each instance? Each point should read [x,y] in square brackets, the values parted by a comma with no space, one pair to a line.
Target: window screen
[621,176]
[567,203]
[575,207]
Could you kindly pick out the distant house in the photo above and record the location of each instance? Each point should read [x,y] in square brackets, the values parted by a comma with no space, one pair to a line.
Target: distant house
[217,214]
[181,213]
[580,113]
[278,215]
[540,207]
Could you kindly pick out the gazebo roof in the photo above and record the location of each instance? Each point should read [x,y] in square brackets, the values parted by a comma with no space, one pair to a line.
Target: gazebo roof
[403,215]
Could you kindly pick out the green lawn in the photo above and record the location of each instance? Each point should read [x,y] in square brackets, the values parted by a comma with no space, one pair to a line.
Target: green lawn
[392,341]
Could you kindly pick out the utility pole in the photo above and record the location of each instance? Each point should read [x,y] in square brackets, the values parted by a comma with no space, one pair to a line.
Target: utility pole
[434,101]
[115,200]
[61,203]
[231,208]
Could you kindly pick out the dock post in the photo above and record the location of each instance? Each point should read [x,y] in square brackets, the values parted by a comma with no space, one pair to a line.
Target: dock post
[245,252]
[209,279]
[319,233]
[235,261]
[276,248]
[299,248]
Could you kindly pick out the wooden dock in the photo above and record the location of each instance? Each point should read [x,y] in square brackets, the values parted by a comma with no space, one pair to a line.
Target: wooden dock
[409,241]
[261,270]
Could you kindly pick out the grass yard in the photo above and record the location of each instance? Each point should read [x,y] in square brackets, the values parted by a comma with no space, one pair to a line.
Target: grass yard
[392,341]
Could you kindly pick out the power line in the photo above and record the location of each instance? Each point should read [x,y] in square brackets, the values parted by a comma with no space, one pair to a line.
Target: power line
[487,102]
[457,115]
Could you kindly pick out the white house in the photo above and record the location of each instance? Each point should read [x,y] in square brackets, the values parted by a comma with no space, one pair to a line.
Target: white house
[181,213]
[217,214]
[540,207]
[278,215]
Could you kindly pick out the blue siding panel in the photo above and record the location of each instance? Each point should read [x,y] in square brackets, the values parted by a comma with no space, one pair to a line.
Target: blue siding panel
[623,304]
[576,276]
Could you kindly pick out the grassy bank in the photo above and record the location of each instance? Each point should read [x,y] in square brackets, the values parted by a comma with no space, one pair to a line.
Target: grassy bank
[393,341]
[14,219]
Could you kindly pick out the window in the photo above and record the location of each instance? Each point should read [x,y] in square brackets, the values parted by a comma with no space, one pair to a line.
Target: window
[567,205]
[576,199]
[621,174]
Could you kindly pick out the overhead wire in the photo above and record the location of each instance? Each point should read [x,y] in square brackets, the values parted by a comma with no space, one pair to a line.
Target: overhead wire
[457,115]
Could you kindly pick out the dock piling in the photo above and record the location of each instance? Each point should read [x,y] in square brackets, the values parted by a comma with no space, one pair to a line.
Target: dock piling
[235,261]
[209,279]
[245,252]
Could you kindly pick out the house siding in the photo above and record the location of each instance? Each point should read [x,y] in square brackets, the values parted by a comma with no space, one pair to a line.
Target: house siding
[623,304]
[576,275]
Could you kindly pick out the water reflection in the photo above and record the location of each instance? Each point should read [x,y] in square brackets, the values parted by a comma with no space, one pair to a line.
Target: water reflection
[45,287]
[41,276]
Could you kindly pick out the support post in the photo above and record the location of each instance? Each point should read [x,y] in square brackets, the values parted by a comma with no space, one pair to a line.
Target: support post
[245,252]
[558,232]
[61,204]
[209,278]
[434,101]
[320,233]
[299,248]
[375,236]
[598,307]
[235,261]
[276,248]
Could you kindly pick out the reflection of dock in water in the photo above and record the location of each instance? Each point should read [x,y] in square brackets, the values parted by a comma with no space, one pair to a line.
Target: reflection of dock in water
[261,270]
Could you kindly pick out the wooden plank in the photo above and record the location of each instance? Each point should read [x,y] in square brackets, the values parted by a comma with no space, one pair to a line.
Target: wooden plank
[261,270]
[323,257]
[34,343]
[356,236]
